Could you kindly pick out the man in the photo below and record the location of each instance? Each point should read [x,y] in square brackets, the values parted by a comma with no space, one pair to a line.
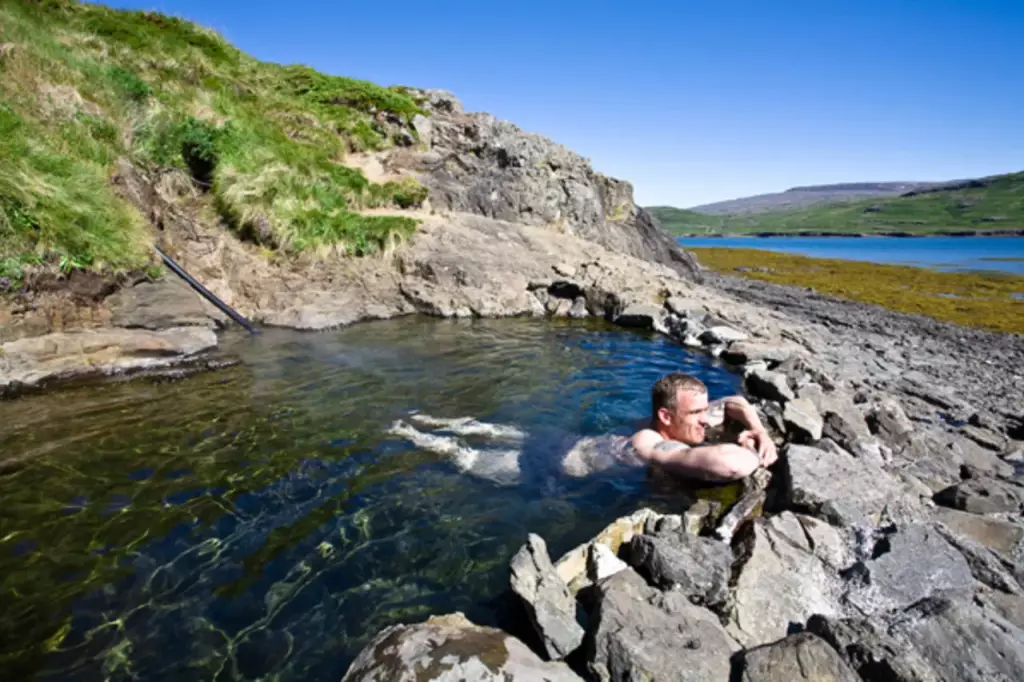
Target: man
[680,419]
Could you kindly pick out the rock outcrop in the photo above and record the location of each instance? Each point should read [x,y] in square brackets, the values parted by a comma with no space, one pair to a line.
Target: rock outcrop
[475,163]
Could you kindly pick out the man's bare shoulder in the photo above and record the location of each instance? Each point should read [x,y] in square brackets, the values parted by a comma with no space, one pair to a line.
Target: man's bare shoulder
[649,444]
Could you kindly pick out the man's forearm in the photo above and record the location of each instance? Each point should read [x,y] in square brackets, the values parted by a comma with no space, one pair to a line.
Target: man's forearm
[740,409]
[724,462]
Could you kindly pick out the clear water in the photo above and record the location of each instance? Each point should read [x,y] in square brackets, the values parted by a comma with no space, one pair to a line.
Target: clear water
[1005,254]
[259,522]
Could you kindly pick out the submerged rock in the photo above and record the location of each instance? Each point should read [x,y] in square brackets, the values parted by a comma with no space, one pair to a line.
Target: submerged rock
[29,362]
[450,648]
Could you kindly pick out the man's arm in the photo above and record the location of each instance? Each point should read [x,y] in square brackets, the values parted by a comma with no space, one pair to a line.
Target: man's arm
[725,462]
[738,408]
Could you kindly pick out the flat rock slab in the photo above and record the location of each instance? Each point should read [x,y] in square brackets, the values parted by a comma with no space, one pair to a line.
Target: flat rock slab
[909,565]
[744,352]
[31,361]
[986,566]
[780,583]
[640,633]
[449,649]
[167,302]
[819,477]
[548,602]
[722,334]
[935,640]
[1004,537]
[982,496]
[803,656]
[698,567]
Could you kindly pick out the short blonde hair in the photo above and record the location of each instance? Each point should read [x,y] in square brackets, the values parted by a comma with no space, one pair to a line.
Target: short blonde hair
[666,390]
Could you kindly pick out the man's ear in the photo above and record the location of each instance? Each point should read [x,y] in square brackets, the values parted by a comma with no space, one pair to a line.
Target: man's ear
[664,416]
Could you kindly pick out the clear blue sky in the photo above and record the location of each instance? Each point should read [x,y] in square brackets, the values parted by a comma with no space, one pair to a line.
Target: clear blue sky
[691,101]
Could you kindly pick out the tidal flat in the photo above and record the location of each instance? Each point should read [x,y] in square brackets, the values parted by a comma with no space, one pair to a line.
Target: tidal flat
[982,300]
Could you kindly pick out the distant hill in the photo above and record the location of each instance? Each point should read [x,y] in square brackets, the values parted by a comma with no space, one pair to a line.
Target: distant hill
[991,204]
[803,197]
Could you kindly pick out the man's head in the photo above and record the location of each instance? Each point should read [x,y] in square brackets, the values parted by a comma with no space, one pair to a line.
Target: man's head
[679,408]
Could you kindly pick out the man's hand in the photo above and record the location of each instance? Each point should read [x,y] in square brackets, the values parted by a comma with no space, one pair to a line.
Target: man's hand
[760,442]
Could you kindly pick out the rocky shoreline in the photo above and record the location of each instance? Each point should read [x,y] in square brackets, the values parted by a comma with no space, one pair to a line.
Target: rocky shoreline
[891,548]
[887,544]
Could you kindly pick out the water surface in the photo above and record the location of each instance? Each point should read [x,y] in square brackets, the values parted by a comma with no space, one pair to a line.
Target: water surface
[1005,254]
[259,522]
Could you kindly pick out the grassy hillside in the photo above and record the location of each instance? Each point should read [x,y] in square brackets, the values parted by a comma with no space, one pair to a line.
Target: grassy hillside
[82,86]
[994,203]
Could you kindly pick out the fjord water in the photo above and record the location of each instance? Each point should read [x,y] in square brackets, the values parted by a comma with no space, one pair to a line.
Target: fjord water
[259,522]
[1005,254]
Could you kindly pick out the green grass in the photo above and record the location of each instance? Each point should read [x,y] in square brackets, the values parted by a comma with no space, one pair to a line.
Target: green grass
[997,206]
[984,300]
[684,221]
[82,86]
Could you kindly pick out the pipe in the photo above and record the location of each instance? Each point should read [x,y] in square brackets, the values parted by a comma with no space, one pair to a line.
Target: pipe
[206,293]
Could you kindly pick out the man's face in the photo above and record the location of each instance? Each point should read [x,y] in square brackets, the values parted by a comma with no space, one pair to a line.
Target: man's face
[686,424]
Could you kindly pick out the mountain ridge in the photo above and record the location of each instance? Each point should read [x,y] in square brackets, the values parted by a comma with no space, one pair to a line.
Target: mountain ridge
[990,204]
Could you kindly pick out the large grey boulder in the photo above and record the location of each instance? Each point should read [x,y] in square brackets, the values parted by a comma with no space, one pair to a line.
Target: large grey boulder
[803,656]
[821,480]
[769,385]
[780,583]
[550,605]
[906,566]
[640,633]
[450,648]
[696,566]
[934,640]
[802,420]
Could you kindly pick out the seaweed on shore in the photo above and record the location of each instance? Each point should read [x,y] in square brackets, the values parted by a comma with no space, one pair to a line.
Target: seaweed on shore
[982,300]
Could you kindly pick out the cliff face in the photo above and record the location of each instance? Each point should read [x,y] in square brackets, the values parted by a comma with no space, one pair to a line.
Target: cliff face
[475,163]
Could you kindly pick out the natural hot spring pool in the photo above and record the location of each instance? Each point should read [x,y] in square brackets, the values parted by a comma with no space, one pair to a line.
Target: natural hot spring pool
[259,522]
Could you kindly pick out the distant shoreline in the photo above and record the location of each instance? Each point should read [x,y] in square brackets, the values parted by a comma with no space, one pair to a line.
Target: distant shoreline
[814,233]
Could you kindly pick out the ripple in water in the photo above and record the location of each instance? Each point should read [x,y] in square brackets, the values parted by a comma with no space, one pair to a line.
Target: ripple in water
[260,522]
